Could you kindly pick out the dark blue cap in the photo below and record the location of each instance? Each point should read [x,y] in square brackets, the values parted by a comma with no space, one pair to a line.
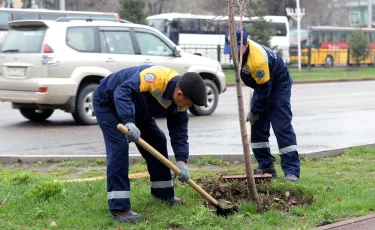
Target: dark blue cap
[238,36]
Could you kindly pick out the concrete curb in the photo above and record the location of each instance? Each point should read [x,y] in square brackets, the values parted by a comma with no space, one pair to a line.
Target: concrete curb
[13,159]
[317,81]
[345,222]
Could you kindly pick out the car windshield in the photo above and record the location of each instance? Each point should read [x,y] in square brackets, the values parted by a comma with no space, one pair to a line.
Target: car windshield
[24,40]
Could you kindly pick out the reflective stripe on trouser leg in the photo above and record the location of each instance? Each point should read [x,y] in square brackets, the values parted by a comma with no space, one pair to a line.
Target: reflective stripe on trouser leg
[117,149]
[260,132]
[281,120]
[160,175]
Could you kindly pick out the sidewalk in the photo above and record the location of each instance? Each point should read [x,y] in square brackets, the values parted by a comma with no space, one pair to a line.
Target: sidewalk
[360,223]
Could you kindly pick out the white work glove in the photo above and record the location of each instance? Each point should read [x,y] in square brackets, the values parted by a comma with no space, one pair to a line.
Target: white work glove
[133,132]
[185,175]
[252,117]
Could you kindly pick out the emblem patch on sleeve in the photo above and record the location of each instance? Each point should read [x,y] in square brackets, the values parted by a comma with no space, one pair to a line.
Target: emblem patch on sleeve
[260,74]
[149,77]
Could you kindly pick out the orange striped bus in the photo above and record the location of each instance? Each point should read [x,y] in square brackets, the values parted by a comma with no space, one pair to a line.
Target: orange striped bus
[329,46]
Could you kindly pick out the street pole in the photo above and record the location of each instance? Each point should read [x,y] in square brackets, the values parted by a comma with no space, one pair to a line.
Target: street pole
[369,13]
[297,15]
[61,4]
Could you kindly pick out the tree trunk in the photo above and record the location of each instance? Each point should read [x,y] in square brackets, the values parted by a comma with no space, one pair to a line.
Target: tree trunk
[245,141]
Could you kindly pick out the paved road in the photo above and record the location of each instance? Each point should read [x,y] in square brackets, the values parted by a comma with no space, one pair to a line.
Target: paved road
[326,116]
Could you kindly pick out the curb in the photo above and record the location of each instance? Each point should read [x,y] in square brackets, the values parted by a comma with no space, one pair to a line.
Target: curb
[346,222]
[317,81]
[14,159]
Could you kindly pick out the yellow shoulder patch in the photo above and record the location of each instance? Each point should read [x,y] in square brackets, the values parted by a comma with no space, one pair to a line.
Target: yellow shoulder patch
[257,63]
[155,80]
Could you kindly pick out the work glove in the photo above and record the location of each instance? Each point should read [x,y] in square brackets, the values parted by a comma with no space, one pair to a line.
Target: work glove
[185,175]
[133,132]
[252,117]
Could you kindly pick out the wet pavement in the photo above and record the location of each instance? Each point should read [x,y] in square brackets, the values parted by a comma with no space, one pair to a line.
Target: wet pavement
[326,116]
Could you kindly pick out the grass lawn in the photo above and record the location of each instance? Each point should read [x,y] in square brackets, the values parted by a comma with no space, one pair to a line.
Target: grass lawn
[341,187]
[321,74]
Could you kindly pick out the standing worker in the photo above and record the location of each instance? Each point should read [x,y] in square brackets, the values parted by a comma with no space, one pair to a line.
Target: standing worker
[133,97]
[265,72]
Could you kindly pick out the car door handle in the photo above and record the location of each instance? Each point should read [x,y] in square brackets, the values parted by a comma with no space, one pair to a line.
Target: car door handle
[110,60]
[148,61]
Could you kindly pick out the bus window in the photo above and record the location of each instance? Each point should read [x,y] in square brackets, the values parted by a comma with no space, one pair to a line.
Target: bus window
[280,28]
[4,19]
[316,39]
[343,37]
[335,36]
[159,24]
[24,16]
[326,37]
[223,27]
[51,16]
[208,26]
[189,26]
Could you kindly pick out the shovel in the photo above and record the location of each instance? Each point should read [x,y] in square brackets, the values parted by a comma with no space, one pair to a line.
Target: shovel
[223,208]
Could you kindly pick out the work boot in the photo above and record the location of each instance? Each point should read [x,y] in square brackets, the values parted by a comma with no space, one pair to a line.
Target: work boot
[270,170]
[125,216]
[291,178]
[175,201]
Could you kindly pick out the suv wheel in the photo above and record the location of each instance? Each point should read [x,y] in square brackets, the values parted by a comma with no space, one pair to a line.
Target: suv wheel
[84,114]
[36,114]
[212,100]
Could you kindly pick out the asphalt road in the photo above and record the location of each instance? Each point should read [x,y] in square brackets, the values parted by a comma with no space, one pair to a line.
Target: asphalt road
[326,116]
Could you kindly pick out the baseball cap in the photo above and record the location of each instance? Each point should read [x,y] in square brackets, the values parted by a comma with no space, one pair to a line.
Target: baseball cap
[238,36]
[193,87]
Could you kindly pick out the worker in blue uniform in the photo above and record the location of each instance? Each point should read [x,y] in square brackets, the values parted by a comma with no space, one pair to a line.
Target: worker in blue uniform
[265,72]
[133,97]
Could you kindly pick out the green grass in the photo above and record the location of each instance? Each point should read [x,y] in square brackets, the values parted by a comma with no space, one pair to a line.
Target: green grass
[321,74]
[209,160]
[341,187]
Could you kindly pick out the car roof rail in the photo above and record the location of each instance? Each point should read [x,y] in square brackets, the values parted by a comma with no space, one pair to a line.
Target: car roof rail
[90,19]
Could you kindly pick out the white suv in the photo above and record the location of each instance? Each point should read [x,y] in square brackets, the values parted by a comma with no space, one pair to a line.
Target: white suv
[48,65]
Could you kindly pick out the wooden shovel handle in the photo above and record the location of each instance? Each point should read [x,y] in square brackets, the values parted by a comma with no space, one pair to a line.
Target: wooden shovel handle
[169,164]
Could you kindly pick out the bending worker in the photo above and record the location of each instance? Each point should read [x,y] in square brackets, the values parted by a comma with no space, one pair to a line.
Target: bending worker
[265,72]
[133,97]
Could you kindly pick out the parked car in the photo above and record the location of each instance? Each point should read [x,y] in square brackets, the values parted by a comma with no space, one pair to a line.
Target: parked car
[48,65]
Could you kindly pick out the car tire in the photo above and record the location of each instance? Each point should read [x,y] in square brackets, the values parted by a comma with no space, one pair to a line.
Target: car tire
[329,62]
[36,114]
[212,101]
[84,114]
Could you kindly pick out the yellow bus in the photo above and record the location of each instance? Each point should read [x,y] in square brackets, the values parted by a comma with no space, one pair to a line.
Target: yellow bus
[327,46]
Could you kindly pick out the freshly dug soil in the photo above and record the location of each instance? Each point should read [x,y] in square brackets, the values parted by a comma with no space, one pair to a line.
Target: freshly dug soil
[237,191]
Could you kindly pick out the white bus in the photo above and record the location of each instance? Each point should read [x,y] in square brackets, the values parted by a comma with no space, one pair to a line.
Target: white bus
[12,14]
[202,34]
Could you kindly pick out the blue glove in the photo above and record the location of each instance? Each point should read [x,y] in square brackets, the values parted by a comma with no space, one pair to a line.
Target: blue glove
[252,117]
[133,132]
[185,175]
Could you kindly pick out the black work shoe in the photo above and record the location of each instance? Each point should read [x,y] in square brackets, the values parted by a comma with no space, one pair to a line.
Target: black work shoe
[270,170]
[175,201]
[125,216]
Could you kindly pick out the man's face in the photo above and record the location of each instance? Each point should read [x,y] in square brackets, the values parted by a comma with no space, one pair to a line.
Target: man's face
[242,51]
[180,100]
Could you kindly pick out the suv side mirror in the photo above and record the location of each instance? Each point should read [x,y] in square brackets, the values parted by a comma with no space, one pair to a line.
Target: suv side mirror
[177,51]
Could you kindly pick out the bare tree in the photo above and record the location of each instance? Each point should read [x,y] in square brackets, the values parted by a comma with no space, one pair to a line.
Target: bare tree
[237,68]
[160,6]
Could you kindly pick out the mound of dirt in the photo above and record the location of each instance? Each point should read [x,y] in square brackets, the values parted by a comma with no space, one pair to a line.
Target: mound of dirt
[237,191]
